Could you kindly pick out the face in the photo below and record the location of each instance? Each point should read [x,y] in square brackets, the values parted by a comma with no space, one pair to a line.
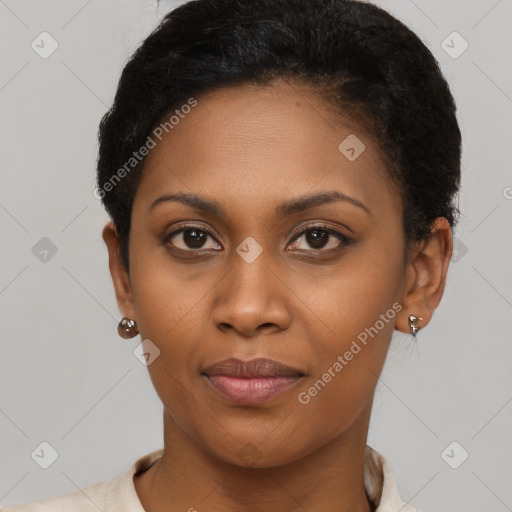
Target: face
[261,273]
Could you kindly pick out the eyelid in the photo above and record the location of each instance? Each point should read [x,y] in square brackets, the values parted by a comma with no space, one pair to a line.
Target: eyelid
[324,227]
[199,227]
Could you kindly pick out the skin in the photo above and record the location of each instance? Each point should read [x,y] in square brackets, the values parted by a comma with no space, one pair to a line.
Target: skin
[251,148]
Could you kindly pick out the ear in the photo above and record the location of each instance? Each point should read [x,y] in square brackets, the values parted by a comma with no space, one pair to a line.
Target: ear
[120,276]
[425,275]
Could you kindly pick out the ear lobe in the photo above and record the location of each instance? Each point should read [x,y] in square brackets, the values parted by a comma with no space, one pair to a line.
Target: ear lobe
[425,275]
[120,276]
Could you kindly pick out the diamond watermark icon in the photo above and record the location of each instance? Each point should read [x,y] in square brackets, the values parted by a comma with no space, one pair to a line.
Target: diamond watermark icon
[44,250]
[146,352]
[44,455]
[249,249]
[249,454]
[459,249]
[454,455]
[454,45]
[44,45]
[351,147]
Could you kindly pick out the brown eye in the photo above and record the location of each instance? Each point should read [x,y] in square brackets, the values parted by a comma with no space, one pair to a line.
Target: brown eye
[191,238]
[319,238]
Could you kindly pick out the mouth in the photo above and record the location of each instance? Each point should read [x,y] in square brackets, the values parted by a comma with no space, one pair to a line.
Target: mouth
[251,382]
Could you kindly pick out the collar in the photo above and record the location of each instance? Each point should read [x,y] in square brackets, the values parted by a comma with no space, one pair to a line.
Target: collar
[379,483]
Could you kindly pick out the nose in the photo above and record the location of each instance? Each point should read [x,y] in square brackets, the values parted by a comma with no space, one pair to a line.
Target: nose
[251,299]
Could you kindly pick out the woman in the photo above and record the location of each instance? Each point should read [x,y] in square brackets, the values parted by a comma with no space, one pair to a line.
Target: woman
[277,212]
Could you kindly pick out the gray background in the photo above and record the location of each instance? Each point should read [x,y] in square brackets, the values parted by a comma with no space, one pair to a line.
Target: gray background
[69,380]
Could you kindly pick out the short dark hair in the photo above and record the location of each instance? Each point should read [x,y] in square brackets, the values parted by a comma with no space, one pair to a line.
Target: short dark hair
[358,56]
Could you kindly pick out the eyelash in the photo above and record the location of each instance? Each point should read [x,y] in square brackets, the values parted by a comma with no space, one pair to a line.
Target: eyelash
[344,240]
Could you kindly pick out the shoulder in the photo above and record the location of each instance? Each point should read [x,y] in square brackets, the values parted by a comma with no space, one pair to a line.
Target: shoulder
[91,499]
[380,484]
[116,495]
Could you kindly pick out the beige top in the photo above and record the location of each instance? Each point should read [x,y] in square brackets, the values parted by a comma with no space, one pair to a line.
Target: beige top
[119,494]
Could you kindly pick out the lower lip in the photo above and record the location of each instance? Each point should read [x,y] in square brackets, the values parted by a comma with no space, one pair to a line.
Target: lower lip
[251,391]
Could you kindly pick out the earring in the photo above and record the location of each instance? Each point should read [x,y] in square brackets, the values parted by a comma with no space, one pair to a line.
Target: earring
[127,328]
[413,323]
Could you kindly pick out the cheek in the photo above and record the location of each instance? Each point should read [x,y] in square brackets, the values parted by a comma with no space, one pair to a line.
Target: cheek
[174,321]
[345,371]
[169,297]
[360,295]
[353,336]
[170,312]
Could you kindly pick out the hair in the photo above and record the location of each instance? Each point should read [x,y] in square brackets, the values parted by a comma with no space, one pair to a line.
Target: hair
[355,55]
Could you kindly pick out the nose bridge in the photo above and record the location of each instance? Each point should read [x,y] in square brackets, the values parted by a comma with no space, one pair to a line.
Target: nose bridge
[250,293]
[251,272]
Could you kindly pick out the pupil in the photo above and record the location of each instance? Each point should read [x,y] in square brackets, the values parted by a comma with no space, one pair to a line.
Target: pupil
[317,238]
[194,238]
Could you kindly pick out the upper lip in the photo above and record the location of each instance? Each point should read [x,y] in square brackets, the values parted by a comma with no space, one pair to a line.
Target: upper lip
[259,367]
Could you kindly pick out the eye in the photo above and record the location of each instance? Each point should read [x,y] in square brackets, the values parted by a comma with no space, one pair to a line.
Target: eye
[320,238]
[191,238]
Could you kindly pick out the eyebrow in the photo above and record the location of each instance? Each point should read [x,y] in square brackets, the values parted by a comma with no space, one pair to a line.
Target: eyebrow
[298,204]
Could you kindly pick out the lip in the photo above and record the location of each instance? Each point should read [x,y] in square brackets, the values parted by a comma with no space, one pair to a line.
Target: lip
[251,382]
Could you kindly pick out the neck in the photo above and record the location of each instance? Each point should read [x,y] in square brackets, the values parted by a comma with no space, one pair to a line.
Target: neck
[189,478]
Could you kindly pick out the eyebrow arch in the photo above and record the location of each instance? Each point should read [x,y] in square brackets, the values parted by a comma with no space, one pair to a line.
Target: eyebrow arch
[287,208]
[197,202]
[309,201]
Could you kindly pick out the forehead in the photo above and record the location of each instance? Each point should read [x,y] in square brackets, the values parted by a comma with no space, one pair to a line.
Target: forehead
[251,146]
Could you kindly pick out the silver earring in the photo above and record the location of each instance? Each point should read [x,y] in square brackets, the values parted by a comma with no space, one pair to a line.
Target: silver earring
[127,328]
[413,324]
